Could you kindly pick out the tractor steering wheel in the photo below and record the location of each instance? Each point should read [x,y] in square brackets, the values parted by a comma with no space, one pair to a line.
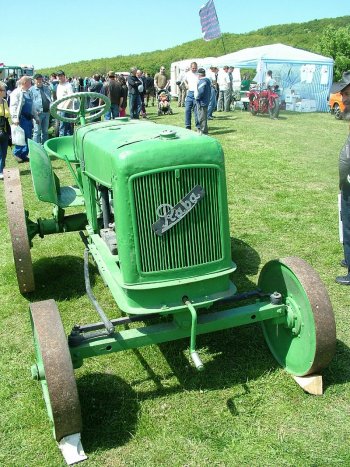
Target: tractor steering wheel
[82,114]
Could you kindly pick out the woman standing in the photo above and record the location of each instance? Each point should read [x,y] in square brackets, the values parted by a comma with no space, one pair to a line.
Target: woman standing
[22,114]
[5,121]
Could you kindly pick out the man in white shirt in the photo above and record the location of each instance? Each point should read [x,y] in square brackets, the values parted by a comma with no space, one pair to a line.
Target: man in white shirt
[191,82]
[224,84]
[64,89]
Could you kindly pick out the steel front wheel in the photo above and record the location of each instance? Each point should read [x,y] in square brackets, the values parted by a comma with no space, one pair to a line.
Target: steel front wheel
[54,369]
[18,230]
[303,341]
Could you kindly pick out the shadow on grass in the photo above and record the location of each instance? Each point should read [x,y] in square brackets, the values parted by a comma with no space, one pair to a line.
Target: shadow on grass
[231,358]
[217,131]
[225,117]
[247,260]
[338,371]
[25,172]
[234,355]
[60,278]
[231,404]
[109,411]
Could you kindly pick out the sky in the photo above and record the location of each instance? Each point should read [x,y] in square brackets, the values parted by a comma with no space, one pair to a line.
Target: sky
[48,34]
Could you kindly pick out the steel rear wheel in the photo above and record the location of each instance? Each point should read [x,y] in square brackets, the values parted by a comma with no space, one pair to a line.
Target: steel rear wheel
[303,341]
[274,108]
[252,107]
[18,230]
[54,369]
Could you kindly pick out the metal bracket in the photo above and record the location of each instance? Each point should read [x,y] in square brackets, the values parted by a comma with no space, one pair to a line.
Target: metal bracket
[74,175]
[72,449]
[107,323]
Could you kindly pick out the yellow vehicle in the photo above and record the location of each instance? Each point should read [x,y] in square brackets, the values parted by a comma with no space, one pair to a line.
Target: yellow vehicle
[336,105]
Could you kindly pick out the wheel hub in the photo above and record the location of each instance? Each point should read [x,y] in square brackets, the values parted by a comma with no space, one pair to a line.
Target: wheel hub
[37,371]
[293,318]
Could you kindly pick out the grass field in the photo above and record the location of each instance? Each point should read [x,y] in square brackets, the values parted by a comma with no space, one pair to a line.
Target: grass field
[150,407]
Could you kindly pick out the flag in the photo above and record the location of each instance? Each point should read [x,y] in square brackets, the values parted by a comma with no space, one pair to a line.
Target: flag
[209,21]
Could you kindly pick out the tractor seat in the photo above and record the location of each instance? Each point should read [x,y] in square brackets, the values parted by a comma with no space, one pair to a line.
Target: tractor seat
[60,147]
[46,183]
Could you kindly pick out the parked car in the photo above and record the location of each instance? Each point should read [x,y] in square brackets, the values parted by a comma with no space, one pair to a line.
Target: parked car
[336,105]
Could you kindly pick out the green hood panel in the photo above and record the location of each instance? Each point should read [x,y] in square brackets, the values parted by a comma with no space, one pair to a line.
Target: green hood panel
[117,148]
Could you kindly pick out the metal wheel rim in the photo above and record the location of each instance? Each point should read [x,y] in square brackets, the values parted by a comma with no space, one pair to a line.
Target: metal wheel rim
[18,230]
[273,108]
[55,366]
[314,347]
[252,109]
[337,112]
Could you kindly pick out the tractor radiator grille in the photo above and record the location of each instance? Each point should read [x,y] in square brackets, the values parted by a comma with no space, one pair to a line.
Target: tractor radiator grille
[196,238]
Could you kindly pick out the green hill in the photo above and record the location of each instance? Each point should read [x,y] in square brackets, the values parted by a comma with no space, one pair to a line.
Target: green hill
[302,35]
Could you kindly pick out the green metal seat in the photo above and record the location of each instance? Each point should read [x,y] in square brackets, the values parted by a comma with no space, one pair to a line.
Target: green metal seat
[62,148]
[46,183]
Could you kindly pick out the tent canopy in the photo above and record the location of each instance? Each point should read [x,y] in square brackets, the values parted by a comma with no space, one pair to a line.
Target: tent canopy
[274,53]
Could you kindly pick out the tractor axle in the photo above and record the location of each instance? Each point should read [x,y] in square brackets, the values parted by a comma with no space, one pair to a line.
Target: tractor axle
[180,327]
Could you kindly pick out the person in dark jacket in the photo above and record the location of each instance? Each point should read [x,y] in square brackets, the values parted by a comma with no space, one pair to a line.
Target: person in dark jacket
[113,90]
[202,100]
[95,86]
[135,87]
[142,78]
[122,82]
[150,90]
[344,178]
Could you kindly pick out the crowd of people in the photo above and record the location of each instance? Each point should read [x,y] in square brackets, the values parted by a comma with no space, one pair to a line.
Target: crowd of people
[202,93]
[26,102]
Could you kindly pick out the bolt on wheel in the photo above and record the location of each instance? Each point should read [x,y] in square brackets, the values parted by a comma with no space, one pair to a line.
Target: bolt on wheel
[303,340]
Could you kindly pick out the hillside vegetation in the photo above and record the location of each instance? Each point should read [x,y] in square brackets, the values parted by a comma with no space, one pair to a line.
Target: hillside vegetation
[306,36]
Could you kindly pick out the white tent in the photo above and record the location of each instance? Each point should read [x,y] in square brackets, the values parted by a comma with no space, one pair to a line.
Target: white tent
[303,73]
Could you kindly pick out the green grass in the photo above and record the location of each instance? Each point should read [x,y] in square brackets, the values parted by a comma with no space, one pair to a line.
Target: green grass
[150,407]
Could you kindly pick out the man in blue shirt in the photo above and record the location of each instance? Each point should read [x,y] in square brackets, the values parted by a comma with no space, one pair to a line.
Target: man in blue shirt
[42,100]
[203,99]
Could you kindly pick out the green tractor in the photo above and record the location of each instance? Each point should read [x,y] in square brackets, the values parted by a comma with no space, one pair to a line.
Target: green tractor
[155,222]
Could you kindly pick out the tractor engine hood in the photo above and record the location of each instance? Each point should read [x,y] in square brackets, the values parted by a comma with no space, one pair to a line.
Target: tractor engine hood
[121,148]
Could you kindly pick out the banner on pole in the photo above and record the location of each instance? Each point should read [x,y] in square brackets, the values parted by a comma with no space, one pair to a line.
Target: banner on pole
[209,21]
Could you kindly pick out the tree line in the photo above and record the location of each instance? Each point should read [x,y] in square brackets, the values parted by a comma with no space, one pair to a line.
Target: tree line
[329,37]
